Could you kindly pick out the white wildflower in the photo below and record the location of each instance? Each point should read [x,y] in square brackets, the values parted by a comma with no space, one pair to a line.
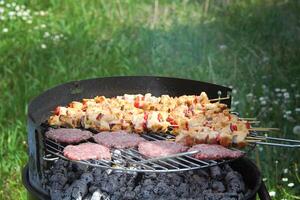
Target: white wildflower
[234,91]
[236,103]
[276,102]
[283,90]
[11,13]
[293,85]
[264,179]
[263,102]
[279,94]
[288,112]
[5,30]
[265,59]
[264,86]
[272,193]
[43,26]
[46,34]
[251,108]
[8,5]
[285,179]
[277,89]
[276,161]
[297,109]
[296,130]
[291,184]
[1,2]
[42,13]
[222,47]
[17,8]
[29,21]
[286,95]
[43,46]
[261,98]
[270,109]
[249,95]
[2,18]
[24,18]
[13,4]
[285,171]
[297,95]
[1,10]
[56,37]
[25,13]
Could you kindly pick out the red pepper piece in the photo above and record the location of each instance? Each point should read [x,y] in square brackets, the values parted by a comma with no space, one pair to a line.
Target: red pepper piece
[187,125]
[248,126]
[137,102]
[159,117]
[57,110]
[233,127]
[172,122]
[229,117]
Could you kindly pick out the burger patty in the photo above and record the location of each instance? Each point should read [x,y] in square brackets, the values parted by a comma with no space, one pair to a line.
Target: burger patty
[214,152]
[86,151]
[160,148]
[118,139]
[68,135]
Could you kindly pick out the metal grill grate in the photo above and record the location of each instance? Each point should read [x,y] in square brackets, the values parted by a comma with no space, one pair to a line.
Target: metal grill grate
[131,160]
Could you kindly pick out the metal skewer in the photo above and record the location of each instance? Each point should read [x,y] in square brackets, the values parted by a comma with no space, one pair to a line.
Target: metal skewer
[220,98]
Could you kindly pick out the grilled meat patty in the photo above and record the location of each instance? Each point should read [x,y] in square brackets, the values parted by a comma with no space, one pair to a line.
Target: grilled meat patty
[214,152]
[68,135]
[86,151]
[118,139]
[160,148]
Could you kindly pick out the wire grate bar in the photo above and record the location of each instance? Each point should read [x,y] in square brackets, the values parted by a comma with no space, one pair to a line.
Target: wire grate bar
[131,160]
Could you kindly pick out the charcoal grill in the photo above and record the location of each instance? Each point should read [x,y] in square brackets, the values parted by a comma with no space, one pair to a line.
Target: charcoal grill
[42,150]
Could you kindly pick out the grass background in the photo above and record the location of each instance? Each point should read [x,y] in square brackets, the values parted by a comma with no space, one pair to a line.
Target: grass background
[252,46]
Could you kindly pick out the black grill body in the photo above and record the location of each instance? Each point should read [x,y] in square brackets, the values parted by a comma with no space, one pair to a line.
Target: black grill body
[40,109]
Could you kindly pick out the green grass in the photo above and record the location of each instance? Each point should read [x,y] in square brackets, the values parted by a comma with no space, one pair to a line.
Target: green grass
[250,45]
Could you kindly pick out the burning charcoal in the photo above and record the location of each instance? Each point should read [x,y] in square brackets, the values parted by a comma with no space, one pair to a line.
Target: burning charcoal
[55,194]
[203,172]
[58,181]
[129,195]
[98,195]
[215,172]
[234,182]
[235,186]
[227,169]
[183,190]
[76,191]
[87,177]
[160,188]
[218,186]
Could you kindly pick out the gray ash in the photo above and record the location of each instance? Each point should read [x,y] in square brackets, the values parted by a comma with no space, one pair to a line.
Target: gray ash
[66,180]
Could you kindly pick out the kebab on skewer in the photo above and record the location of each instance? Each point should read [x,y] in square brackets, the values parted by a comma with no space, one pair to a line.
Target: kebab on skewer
[194,119]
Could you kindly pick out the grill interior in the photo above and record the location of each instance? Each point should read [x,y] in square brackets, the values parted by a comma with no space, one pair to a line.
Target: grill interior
[131,160]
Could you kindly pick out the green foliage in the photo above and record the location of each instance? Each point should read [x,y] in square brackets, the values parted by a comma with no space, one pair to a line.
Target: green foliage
[250,45]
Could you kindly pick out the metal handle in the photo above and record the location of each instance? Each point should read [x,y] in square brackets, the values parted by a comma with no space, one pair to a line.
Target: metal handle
[280,142]
[50,158]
